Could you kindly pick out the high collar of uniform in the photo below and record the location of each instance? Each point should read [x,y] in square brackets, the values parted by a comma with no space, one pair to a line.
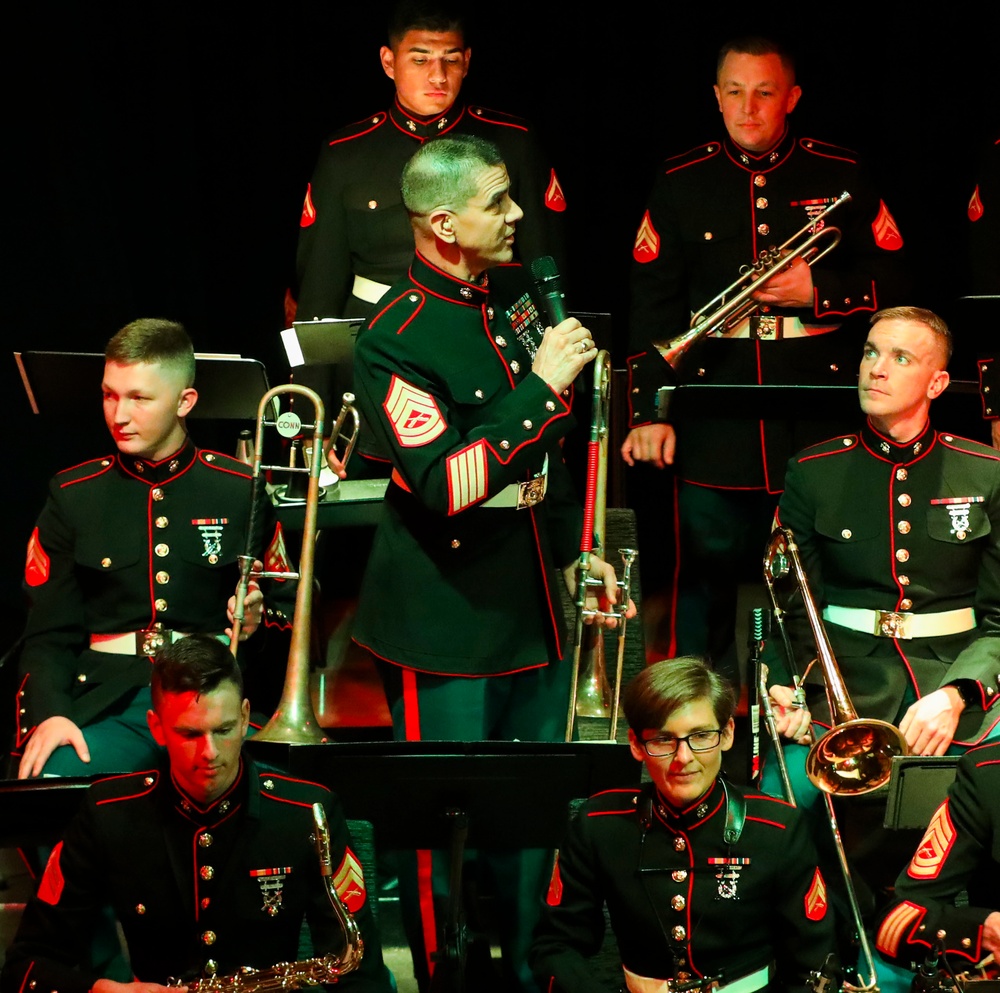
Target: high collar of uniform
[703,809]
[442,284]
[219,809]
[156,473]
[882,446]
[425,127]
[761,161]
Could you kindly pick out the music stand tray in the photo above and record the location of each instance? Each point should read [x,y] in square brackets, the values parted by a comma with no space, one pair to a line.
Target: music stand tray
[917,786]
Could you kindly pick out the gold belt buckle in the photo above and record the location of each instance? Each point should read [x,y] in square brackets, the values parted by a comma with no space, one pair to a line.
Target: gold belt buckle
[766,326]
[531,492]
[892,624]
[151,641]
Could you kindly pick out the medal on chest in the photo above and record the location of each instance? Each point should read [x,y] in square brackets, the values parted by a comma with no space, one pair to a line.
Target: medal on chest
[211,536]
[525,323]
[272,883]
[958,510]
[727,872]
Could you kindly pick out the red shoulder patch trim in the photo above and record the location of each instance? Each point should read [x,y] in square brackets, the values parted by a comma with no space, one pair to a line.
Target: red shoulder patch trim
[897,922]
[37,567]
[815,900]
[554,895]
[934,847]
[413,413]
[349,882]
[308,209]
[976,208]
[647,241]
[51,887]
[885,229]
[555,199]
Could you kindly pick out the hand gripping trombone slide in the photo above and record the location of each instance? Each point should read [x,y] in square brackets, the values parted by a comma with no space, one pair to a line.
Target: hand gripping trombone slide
[589,688]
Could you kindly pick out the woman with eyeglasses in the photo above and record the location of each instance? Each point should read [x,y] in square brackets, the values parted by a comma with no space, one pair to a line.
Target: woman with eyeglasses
[708,886]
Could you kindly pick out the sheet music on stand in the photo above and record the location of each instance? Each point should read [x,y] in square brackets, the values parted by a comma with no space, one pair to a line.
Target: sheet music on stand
[62,384]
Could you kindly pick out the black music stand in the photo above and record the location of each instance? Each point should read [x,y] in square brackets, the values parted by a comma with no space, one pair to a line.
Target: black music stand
[62,384]
[460,793]
[487,779]
[917,786]
[35,812]
[321,342]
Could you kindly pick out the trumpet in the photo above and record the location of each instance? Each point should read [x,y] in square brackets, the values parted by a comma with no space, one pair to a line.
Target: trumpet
[294,720]
[590,694]
[727,309]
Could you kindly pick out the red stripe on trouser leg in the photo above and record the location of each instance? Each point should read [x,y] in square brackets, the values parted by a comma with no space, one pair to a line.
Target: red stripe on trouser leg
[425,893]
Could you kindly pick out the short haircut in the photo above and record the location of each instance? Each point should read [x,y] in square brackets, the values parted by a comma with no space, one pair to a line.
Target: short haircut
[425,15]
[663,687]
[199,663]
[756,45]
[155,341]
[919,315]
[443,173]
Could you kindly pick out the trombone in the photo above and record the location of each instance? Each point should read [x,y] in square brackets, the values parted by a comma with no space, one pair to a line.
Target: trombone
[294,720]
[855,756]
[590,695]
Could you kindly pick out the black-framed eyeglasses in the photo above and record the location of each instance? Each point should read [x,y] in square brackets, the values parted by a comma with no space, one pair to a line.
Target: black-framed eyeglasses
[697,741]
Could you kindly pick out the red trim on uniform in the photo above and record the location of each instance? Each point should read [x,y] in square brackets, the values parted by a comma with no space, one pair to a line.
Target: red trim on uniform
[308,216]
[824,155]
[389,307]
[896,923]
[835,451]
[869,307]
[202,452]
[425,895]
[50,889]
[995,456]
[411,706]
[975,210]
[647,241]
[715,486]
[762,820]
[37,563]
[436,672]
[376,124]
[610,813]
[815,901]
[505,124]
[769,799]
[617,789]
[27,974]
[715,145]
[129,796]
[553,896]
[93,475]
[293,779]
[888,237]
[545,583]
[555,199]
[980,765]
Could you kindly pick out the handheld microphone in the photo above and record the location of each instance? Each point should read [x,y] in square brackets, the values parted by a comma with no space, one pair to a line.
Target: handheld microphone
[549,284]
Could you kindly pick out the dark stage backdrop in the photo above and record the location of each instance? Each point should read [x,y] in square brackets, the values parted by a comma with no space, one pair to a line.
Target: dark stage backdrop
[158,153]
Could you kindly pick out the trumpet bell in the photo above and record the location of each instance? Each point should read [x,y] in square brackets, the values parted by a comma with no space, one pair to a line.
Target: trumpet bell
[855,758]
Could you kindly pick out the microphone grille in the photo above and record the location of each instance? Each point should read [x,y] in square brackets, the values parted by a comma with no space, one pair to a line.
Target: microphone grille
[543,268]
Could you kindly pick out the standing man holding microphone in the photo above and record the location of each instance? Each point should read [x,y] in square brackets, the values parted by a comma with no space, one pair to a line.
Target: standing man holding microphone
[470,394]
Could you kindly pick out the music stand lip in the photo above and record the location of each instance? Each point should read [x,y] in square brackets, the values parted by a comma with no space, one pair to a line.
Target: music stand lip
[516,793]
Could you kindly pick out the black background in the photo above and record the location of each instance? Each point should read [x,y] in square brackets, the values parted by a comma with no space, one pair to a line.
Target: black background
[157,154]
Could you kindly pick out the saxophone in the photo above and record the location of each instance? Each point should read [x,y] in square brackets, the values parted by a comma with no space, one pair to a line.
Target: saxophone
[305,972]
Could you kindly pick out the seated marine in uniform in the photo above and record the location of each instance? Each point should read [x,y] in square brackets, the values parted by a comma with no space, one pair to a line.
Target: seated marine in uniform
[950,891]
[702,880]
[132,551]
[206,859]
